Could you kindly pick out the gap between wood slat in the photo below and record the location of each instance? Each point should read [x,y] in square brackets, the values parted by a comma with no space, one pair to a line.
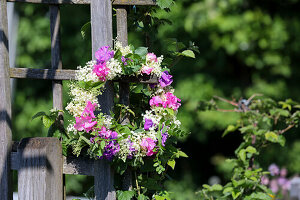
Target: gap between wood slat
[114,2]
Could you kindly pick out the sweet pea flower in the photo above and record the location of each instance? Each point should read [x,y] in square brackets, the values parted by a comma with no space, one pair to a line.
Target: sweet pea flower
[107,134]
[110,150]
[148,124]
[146,69]
[274,186]
[104,54]
[148,144]
[171,101]
[165,79]
[101,71]
[264,180]
[283,172]
[274,169]
[155,101]
[164,138]
[84,123]
[89,109]
[151,57]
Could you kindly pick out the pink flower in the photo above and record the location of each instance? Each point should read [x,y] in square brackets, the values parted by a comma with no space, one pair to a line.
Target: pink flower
[148,144]
[89,109]
[156,101]
[171,101]
[101,71]
[146,70]
[84,123]
[283,172]
[151,57]
[274,186]
[264,180]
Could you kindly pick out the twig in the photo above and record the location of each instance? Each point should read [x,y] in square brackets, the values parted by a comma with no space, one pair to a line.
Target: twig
[287,128]
[225,100]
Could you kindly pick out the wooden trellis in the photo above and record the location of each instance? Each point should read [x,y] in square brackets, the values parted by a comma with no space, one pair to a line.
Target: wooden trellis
[39,161]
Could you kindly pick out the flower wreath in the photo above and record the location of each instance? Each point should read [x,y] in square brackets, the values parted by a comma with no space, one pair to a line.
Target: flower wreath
[153,128]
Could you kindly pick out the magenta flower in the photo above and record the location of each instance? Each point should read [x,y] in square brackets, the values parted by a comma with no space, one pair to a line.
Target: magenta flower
[171,101]
[156,101]
[146,70]
[274,169]
[104,54]
[148,124]
[151,57]
[148,145]
[101,71]
[84,123]
[89,109]
[164,138]
[107,134]
[165,79]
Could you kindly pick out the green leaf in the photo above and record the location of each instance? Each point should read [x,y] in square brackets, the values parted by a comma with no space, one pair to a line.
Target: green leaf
[39,114]
[216,187]
[125,195]
[47,121]
[182,154]
[171,163]
[143,197]
[230,128]
[271,136]
[235,195]
[51,130]
[164,3]
[102,144]
[141,51]
[251,149]
[84,29]
[188,53]
[242,155]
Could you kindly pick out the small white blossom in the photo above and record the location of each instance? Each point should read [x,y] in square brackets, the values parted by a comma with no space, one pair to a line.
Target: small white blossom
[86,73]
[124,50]
[115,69]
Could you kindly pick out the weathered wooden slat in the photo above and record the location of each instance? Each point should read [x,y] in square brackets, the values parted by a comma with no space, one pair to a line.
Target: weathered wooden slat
[114,2]
[40,169]
[5,109]
[47,74]
[101,23]
[68,74]
[56,62]
[122,34]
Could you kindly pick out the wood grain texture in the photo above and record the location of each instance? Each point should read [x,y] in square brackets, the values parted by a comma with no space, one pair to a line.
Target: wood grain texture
[68,74]
[122,34]
[47,74]
[56,62]
[5,109]
[40,169]
[101,22]
[114,2]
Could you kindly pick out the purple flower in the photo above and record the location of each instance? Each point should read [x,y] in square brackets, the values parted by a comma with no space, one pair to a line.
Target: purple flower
[104,54]
[148,124]
[164,138]
[111,149]
[124,60]
[166,79]
[153,85]
[274,169]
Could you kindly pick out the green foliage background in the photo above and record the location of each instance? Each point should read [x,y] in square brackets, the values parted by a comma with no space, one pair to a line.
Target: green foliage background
[245,47]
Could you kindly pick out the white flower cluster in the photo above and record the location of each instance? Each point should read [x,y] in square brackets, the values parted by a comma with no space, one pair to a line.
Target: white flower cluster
[115,69]
[156,66]
[86,73]
[79,99]
[124,50]
[71,128]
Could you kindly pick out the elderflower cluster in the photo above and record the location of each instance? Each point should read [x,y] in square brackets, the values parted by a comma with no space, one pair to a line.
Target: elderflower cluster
[115,69]
[80,97]
[154,117]
[71,128]
[157,66]
[86,73]
[124,50]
